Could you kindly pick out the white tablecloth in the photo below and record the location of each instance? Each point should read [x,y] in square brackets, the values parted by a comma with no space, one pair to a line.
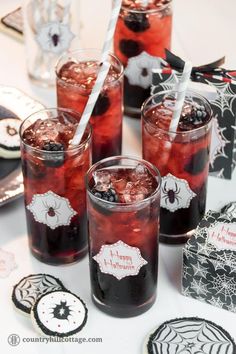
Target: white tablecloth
[203,31]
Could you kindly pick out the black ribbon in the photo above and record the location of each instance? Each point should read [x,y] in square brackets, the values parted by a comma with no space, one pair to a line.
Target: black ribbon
[213,68]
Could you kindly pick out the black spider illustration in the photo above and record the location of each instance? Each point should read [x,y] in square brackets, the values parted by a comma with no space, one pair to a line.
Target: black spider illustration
[61,311]
[51,211]
[171,195]
[54,36]
[144,72]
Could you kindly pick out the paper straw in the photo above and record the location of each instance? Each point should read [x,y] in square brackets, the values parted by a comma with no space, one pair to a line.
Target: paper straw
[111,29]
[181,93]
[105,66]
[91,103]
[101,74]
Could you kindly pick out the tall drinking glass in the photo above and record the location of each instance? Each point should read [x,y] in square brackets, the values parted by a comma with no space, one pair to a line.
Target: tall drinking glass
[142,34]
[76,75]
[123,197]
[55,195]
[50,28]
[182,157]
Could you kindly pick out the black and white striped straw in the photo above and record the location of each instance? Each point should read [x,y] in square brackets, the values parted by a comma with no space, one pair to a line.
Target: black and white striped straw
[105,65]
[181,93]
[111,29]
[91,103]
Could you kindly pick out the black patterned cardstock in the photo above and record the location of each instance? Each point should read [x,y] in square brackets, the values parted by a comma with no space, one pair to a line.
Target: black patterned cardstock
[209,261]
[224,110]
[223,147]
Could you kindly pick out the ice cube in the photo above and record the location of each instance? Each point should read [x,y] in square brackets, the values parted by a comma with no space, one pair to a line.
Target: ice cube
[133,192]
[187,109]
[46,130]
[84,74]
[140,173]
[140,170]
[119,185]
[131,198]
[169,103]
[102,180]
[67,119]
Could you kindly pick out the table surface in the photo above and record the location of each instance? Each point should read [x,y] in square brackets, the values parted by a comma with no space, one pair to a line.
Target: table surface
[203,31]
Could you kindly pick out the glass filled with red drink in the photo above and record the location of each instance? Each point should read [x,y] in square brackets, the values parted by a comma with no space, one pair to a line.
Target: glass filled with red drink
[182,156]
[123,197]
[142,34]
[76,74]
[55,194]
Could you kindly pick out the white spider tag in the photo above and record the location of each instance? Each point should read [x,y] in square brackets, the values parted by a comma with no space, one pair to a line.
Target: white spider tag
[54,37]
[51,209]
[175,193]
[139,69]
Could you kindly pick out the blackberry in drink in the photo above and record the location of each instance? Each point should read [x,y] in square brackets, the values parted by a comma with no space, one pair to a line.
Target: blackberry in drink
[55,195]
[76,75]
[182,158]
[142,34]
[123,197]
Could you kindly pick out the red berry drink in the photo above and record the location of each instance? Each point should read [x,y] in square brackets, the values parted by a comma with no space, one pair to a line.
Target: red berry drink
[123,205]
[76,75]
[182,158]
[142,34]
[55,195]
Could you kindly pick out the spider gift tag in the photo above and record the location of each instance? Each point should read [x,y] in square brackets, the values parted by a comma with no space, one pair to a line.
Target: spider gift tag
[51,209]
[175,193]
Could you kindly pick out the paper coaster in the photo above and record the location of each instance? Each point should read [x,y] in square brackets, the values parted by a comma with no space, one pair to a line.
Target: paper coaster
[59,313]
[30,288]
[190,335]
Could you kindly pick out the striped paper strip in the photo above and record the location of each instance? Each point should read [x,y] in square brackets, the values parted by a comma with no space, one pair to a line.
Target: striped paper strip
[111,29]
[91,103]
[101,74]
[181,93]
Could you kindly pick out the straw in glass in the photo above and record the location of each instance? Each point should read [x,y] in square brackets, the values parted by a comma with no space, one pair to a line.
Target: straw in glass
[181,93]
[101,75]
[111,29]
[91,103]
